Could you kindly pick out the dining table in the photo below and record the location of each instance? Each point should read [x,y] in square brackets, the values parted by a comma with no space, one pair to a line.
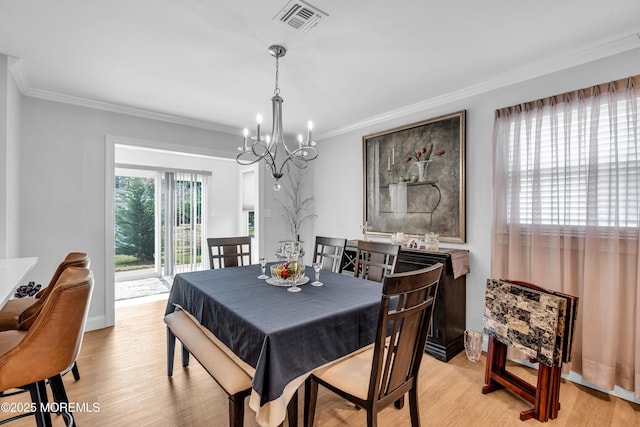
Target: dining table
[12,272]
[279,337]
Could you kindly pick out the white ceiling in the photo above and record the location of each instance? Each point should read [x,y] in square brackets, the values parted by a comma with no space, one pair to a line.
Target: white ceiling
[205,62]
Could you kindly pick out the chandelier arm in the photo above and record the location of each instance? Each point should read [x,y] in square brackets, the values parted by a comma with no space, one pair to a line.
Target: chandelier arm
[300,161]
[245,162]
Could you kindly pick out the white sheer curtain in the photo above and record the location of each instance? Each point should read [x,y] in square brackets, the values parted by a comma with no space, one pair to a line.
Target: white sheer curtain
[566,190]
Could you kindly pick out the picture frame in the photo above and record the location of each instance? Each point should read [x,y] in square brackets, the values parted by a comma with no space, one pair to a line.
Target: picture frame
[405,193]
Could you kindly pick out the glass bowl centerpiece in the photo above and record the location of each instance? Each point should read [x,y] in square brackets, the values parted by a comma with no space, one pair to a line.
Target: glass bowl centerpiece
[285,274]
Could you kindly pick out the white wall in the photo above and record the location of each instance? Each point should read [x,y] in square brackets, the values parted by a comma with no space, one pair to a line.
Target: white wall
[337,173]
[62,181]
[14,99]
[10,99]
[4,179]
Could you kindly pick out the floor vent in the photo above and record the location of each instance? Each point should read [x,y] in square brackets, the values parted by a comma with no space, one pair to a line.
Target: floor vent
[300,16]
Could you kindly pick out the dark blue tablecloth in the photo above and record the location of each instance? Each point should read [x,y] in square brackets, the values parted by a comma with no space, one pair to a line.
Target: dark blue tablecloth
[282,334]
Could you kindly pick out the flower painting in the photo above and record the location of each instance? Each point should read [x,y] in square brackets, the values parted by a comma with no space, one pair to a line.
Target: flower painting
[424,154]
[414,178]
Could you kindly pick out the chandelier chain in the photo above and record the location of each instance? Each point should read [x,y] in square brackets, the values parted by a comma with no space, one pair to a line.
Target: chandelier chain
[276,91]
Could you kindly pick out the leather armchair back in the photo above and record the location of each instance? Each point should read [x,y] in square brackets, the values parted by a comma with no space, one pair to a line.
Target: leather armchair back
[53,341]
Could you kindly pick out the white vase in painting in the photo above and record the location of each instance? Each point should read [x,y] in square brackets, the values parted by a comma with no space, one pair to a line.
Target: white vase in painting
[422,169]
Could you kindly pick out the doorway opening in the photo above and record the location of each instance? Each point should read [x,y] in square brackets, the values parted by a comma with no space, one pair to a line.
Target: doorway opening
[212,197]
[159,227]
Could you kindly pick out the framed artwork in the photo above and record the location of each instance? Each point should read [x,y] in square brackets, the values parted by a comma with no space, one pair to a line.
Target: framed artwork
[414,179]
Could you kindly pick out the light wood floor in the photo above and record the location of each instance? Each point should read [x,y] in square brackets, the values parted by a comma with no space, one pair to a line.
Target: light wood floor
[123,371]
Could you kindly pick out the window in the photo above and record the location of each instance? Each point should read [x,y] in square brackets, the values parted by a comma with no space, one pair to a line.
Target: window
[566,216]
[572,164]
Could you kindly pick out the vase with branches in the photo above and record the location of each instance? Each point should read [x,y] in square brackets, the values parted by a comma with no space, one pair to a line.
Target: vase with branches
[297,207]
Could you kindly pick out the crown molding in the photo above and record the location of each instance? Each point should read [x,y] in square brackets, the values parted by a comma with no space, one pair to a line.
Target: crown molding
[130,111]
[595,51]
[600,50]
[16,68]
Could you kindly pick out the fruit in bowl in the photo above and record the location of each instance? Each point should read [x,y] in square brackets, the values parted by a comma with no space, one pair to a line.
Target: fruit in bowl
[285,273]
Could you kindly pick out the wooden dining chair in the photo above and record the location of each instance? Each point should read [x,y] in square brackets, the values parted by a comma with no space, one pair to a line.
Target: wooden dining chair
[375,378]
[329,251]
[229,251]
[29,358]
[374,260]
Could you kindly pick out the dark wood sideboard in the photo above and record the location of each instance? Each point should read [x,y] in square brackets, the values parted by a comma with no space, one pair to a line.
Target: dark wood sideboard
[446,337]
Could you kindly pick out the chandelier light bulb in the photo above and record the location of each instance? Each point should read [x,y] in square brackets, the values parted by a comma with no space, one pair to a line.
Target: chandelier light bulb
[245,134]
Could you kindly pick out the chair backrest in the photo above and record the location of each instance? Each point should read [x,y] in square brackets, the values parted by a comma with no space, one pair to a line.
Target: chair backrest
[229,251]
[405,315]
[53,341]
[374,260]
[73,259]
[329,251]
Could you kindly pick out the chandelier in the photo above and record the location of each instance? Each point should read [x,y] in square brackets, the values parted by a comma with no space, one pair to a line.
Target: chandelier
[272,148]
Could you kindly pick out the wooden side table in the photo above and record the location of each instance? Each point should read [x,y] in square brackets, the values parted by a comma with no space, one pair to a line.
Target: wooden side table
[538,322]
[545,396]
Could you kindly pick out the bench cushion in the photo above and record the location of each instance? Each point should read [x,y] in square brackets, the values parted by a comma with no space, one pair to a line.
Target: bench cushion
[221,367]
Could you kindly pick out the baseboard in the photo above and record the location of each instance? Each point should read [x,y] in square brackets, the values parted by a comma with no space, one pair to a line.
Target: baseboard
[576,378]
[95,322]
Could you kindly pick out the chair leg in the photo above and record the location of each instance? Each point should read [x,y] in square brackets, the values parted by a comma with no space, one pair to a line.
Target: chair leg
[414,410]
[75,371]
[171,348]
[57,389]
[372,418]
[60,396]
[399,404]
[185,356]
[236,410]
[292,410]
[38,393]
[310,397]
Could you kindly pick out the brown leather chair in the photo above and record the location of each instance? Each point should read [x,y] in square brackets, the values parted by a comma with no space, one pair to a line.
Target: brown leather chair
[329,252]
[374,260]
[229,251]
[20,313]
[51,343]
[19,309]
[376,377]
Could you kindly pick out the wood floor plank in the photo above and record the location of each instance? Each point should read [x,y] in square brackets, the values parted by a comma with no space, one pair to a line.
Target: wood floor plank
[123,371]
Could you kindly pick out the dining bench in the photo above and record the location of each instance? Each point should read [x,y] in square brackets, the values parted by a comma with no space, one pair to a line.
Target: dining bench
[218,363]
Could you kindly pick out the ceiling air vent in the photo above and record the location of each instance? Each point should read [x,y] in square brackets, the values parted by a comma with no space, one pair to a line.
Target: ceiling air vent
[300,16]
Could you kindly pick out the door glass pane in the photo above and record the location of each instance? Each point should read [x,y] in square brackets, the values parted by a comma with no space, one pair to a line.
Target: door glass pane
[135,224]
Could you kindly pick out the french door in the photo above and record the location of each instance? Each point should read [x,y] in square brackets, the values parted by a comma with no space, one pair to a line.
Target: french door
[159,221]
